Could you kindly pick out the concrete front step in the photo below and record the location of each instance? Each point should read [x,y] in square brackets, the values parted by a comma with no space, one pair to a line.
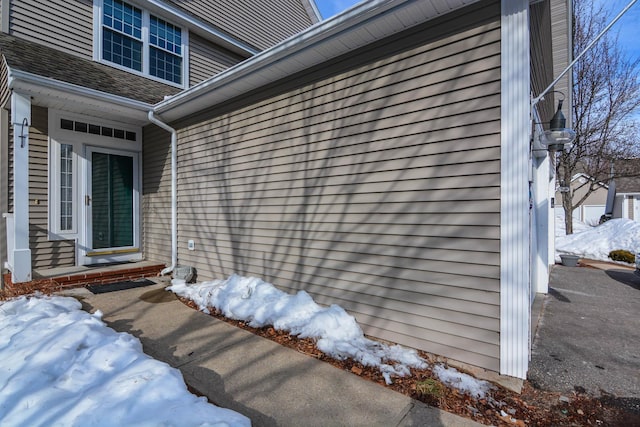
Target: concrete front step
[74,278]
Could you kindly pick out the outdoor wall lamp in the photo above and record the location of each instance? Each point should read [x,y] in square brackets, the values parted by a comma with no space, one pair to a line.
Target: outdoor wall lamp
[558,136]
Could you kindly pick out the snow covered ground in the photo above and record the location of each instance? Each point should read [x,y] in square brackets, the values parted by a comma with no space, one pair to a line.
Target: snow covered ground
[61,366]
[336,332]
[578,226]
[596,242]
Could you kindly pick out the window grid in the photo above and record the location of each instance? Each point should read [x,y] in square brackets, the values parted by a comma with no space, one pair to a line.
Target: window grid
[165,36]
[83,127]
[165,66]
[121,50]
[66,187]
[123,42]
[123,17]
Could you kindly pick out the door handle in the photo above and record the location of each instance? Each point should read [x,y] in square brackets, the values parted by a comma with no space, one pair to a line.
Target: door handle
[87,200]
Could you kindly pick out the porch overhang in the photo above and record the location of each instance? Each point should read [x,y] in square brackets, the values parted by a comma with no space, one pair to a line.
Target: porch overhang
[56,94]
[29,89]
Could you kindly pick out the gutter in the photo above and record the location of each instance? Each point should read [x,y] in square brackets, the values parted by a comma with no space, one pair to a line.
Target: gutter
[340,24]
[174,191]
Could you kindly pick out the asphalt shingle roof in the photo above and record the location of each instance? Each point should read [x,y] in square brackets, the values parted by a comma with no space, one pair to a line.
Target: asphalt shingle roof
[629,183]
[44,61]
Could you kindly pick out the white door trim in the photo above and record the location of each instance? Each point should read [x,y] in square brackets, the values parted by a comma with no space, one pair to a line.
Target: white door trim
[86,253]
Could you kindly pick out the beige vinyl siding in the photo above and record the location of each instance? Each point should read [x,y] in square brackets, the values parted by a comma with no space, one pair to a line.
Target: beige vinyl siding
[541,64]
[66,25]
[261,23]
[44,253]
[376,188]
[207,59]
[156,194]
[4,182]
[561,47]
[4,82]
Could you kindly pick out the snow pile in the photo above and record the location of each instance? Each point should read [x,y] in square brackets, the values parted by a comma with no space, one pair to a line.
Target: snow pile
[596,242]
[461,381]
[337,333]
[63,366]
[561,229]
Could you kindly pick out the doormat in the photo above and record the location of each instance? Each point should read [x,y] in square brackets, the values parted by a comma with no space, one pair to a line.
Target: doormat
[118,286]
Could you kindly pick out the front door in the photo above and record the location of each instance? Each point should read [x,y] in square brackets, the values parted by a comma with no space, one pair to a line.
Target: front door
[112,206]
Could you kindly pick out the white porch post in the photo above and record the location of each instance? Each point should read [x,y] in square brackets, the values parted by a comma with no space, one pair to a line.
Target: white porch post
[21,120]
[514,195]
[541,228]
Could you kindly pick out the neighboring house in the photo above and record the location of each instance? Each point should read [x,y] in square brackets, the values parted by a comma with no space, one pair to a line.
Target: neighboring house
[593,206]
[627,204]
[627,201]
[381,160]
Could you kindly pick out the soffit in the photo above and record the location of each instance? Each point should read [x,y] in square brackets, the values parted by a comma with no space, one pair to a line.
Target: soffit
[359,26]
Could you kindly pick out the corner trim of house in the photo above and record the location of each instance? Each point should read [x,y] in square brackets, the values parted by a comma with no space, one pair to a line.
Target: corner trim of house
[514,193]
[5,6]
[21,120]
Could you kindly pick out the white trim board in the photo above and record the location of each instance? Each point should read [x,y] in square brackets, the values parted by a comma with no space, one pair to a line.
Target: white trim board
[514,197]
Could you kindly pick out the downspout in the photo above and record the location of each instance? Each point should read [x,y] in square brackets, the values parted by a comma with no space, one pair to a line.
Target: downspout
[174,191]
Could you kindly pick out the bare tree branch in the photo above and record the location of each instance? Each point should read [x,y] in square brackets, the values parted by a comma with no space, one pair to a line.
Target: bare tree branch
[606,95]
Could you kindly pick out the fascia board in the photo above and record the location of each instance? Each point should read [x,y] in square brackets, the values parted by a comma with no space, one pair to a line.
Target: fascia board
[38,86]
[281,60]
[312,9]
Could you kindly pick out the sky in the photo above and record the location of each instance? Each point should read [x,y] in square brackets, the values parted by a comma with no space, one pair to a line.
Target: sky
[328,8]
[627,26]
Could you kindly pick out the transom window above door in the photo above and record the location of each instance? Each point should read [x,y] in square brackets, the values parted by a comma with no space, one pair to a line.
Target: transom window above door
[134,39]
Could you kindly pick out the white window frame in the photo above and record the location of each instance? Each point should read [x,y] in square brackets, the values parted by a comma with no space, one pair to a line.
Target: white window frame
[146,46]
[55,231]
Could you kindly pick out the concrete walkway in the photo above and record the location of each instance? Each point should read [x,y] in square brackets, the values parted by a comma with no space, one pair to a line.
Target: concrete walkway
[589,336]
[270,384]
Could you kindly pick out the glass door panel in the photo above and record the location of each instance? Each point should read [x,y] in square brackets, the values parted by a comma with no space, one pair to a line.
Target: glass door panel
[112,213]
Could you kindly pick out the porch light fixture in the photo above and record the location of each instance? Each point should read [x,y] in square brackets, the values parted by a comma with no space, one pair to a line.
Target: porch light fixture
[25,122]
[558,136]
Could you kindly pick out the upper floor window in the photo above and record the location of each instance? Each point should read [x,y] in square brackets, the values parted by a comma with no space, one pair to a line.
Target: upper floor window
[135,39]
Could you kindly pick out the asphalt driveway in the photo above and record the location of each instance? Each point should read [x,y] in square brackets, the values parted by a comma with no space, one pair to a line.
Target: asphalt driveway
[588,338]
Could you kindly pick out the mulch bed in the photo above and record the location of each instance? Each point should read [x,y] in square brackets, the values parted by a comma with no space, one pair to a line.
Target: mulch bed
[532,407]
